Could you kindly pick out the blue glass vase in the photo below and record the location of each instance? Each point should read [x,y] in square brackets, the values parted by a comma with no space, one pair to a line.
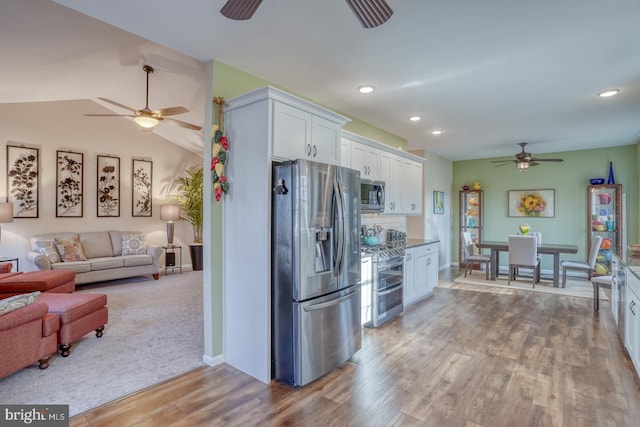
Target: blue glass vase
[611,179]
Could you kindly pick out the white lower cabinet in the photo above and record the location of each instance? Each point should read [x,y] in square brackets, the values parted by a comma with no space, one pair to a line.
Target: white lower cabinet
[420,272]
[632,319]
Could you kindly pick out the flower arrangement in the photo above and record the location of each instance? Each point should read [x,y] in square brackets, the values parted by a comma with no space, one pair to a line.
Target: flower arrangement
[532,205]
[524,229]
[219,147]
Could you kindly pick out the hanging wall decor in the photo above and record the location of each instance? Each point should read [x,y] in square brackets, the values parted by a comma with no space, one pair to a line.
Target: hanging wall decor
[219,147]
[23,165]
[69,184]
[108,186]
[141,178]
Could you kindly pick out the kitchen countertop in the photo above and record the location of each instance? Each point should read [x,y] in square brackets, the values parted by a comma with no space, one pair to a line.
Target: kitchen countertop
[412,243]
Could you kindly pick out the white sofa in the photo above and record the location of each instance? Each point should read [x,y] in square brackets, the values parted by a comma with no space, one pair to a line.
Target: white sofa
[102,255]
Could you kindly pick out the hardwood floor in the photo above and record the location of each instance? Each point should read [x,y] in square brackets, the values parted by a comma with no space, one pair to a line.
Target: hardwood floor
[458,358]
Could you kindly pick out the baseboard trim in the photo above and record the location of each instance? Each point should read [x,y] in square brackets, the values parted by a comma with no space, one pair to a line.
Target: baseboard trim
[213,361]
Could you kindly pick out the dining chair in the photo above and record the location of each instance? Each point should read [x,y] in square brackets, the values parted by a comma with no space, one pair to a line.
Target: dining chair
[523,253]
[600,282]
[587,265]
[470,258]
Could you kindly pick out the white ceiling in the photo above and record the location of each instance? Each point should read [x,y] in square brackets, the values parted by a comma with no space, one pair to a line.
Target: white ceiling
[490,73]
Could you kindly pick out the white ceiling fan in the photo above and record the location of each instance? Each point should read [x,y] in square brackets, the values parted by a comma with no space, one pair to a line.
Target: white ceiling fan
[146,117]
[524,160]
[370,13]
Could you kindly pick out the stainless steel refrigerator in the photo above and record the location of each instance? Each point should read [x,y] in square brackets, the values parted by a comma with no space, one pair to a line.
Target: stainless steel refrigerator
[315,269]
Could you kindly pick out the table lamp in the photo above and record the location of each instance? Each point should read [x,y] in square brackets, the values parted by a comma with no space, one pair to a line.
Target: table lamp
[170,213]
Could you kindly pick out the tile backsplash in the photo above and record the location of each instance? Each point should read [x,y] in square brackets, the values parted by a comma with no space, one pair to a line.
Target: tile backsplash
[387,222]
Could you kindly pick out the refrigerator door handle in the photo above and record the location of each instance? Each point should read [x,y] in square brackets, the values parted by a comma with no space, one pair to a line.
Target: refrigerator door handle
[324,305]
[339,226]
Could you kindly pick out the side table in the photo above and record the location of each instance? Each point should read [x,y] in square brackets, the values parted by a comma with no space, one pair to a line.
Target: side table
[11,259]
[170,252]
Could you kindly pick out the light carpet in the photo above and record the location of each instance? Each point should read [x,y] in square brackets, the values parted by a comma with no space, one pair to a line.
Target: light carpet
[155,332]
[574,287]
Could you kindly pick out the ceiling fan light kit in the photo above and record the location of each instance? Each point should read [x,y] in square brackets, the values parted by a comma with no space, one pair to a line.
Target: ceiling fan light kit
[370,13]
[146,122]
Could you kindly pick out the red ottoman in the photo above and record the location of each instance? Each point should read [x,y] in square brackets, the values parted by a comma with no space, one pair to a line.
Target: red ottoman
[44,281]
[79,314]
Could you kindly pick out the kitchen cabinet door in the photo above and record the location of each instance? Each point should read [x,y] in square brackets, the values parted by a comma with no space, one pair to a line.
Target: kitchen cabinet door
[421,272]
[411,176]
[390,168]
[632,320]
[366,159]
[298,134]
[409,279]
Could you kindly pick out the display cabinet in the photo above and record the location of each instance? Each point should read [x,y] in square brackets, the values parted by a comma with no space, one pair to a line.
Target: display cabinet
[605,220]
[470,219]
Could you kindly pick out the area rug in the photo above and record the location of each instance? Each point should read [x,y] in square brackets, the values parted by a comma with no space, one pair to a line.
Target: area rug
[155,332]
[574,287]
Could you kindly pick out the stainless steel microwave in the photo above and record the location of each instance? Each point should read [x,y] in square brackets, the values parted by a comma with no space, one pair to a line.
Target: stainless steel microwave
[371,196]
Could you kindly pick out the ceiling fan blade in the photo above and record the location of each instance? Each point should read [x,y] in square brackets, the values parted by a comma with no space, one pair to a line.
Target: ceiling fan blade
[371,13]
[117,104]
[240,10]
[503,161]
[532,163]
[503,164]
[109,115]
[170,111]
[546,160]
[180,123]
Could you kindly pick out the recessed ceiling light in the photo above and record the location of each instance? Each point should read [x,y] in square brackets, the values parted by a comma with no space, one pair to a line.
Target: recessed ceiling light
[366,89]
[608,93]
[437,132]
[415,118]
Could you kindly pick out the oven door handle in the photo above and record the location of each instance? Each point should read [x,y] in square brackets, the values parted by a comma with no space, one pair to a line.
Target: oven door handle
[388,266]
[388,291]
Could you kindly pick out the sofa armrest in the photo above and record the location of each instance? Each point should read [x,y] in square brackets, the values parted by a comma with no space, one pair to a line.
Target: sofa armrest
[40,260]
[155,252]
[37,310]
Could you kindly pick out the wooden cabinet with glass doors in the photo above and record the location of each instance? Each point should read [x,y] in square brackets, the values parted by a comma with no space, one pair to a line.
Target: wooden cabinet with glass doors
[469,219]
[605,220]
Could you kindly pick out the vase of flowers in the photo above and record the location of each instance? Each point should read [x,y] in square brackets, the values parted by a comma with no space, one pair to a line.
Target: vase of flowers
[524,229]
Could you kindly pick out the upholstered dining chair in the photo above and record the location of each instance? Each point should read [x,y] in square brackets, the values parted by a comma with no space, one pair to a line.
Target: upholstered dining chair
[470,259]
[587,265]
[523,252]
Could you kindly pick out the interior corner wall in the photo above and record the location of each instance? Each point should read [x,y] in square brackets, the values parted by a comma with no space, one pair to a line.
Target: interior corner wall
[61,125]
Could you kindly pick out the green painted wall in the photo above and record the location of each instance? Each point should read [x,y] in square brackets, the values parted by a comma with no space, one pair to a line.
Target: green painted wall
[569,180]
[230,82]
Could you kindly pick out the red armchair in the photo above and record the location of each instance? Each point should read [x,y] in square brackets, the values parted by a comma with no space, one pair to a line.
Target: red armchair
[28,335]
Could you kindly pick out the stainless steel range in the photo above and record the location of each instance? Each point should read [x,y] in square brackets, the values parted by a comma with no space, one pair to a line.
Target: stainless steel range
[387,283]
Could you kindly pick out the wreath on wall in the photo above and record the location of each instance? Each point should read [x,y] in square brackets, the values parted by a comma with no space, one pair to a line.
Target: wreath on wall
[219,148]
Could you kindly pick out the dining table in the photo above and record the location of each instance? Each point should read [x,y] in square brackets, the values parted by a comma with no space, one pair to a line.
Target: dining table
[554,249]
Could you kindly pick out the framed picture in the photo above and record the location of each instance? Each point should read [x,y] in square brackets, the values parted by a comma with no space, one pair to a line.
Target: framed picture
[108,186]
[438,202]
[141,178]
[69,184]
[23,166]
[532,203]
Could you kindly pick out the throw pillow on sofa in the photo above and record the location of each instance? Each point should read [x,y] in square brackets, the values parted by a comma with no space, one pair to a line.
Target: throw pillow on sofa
[48,249]
[13,303]
[70,250]
[134,244]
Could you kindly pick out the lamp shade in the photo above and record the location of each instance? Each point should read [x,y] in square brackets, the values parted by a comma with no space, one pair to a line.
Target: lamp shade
[169,212]
[6,212]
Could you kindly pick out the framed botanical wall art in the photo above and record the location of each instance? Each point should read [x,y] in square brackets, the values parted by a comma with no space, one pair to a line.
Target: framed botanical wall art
[69,184]
[532,203]
[23,166]
[108,186]
[438,202]
[141,178]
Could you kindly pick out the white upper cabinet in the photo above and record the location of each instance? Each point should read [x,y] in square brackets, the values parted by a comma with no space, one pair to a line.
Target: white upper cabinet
[366,159]
[299,134]
[403,180]
[412,187]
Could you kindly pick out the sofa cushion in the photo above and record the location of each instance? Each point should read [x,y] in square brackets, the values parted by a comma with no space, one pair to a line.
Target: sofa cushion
[106,263]
[116,240]
[76,266]
[48,249]
[70,250]
[96,244]
[10,304]
[135,260]
[134,244]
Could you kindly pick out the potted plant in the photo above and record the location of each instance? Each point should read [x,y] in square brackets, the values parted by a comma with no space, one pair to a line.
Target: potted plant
[190,196]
